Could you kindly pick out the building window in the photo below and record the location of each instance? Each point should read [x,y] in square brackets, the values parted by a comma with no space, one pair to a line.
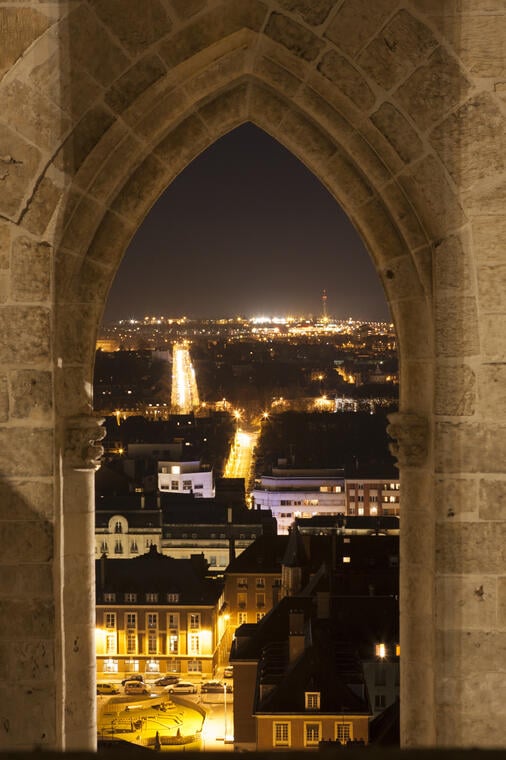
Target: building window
[130,597]
[118,528]
[260,600]
[118,547]
[380,650]
[110,620]
[346,560]
[374,510]
[152,597]
[312,734]
[193,643]
[187,485]
[104,548]
[173,621]
[174,484]
[174,598]
[152,619]
[312,700]
[242,583]
[110,666]
[110,643]
[173,666]
[260,582]
[260,615]
[194,620]
[242,617]
[133,666]
[109,597]
[134,549]
[194,666]
[153,666]
[131,620]
[281,735]
[173,643]
[131,642]
[380,701]
[152,642]
[344,732]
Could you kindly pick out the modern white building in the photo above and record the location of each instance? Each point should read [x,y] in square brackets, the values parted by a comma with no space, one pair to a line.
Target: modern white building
[290,493]
[186,477]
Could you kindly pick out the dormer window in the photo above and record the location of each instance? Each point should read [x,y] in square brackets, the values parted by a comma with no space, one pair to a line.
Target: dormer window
[129,597]
[312,700]
[151,597]
[118,528]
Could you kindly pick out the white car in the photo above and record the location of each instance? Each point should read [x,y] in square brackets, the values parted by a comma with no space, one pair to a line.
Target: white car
[182,687]
[135,687]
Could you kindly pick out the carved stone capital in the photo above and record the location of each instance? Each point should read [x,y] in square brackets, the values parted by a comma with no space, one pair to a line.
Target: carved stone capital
[410,433]
[82,442]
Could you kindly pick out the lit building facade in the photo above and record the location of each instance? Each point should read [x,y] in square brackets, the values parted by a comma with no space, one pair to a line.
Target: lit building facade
[157,615]
[372,497]
[186,477]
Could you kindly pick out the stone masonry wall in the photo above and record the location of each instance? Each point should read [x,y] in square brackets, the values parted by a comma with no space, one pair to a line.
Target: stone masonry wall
[397,106]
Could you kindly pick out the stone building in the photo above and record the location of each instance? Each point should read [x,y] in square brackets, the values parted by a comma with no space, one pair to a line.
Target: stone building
[397,106]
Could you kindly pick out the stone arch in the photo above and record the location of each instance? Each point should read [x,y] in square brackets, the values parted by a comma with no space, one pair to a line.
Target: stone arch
[397,109]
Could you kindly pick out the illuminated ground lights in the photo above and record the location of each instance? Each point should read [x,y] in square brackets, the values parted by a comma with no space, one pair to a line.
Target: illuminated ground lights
[185,395]
[240,460]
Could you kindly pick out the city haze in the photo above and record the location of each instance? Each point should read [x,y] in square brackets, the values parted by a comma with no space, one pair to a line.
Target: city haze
[246,229]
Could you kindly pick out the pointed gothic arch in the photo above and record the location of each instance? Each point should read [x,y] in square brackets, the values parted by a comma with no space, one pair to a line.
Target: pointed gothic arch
[397,113]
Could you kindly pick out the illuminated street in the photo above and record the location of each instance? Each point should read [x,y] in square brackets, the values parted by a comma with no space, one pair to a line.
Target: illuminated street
[240,460]
[185,396]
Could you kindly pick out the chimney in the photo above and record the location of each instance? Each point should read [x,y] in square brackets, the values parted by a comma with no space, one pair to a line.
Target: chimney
[296,635]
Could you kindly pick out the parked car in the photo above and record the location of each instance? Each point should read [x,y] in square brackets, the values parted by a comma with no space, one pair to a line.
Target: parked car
[133,677]
[215,687]
[182,687]
[166,680]
[228,672]
[107,688]
[135,687]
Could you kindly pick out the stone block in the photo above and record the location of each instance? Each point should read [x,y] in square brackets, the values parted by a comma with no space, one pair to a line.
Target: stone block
[492,499]
[4,398]
[227,110]
[493,337]
[412,231]
[480,43]
[455,390]
[26,452]
[486,197]
[29,715]
[41,206]
[455,499]
[433,89]
[187,8]
[5,244]
[20,26]
[26,581]
[381,234]
[135,31]
[470,447]
[31,394]
[399,133]
[90,46]
[461,605]
[30,540]
[81,221]
[149,117]
[492,288]
[32,115]
[371,164]
[212,27]
[435,201]
[456,326]
[356,22]
[453,269]
[489,234]
[501,602]
[24,334]
[267,110]
[347,78]
[34,660]
[91,282]
[416,381]
[277,76]
[75,324]
[135,81]
[492,390]
[218,75]
[270,49]
[182,143]
[457,548]
[401,45]
[313,12]
[346,180]
[143,187]
[306,139]
[330,117]
[30,270]
[26,500]
[115,168]
[296,38]
[471,142]
[19,162]
[74,391]
[412,321]
[84,138]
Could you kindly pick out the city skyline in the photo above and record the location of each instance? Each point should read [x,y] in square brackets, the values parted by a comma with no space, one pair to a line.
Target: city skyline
[269,240]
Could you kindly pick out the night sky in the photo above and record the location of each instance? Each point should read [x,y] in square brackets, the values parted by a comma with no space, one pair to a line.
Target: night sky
[246,230]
